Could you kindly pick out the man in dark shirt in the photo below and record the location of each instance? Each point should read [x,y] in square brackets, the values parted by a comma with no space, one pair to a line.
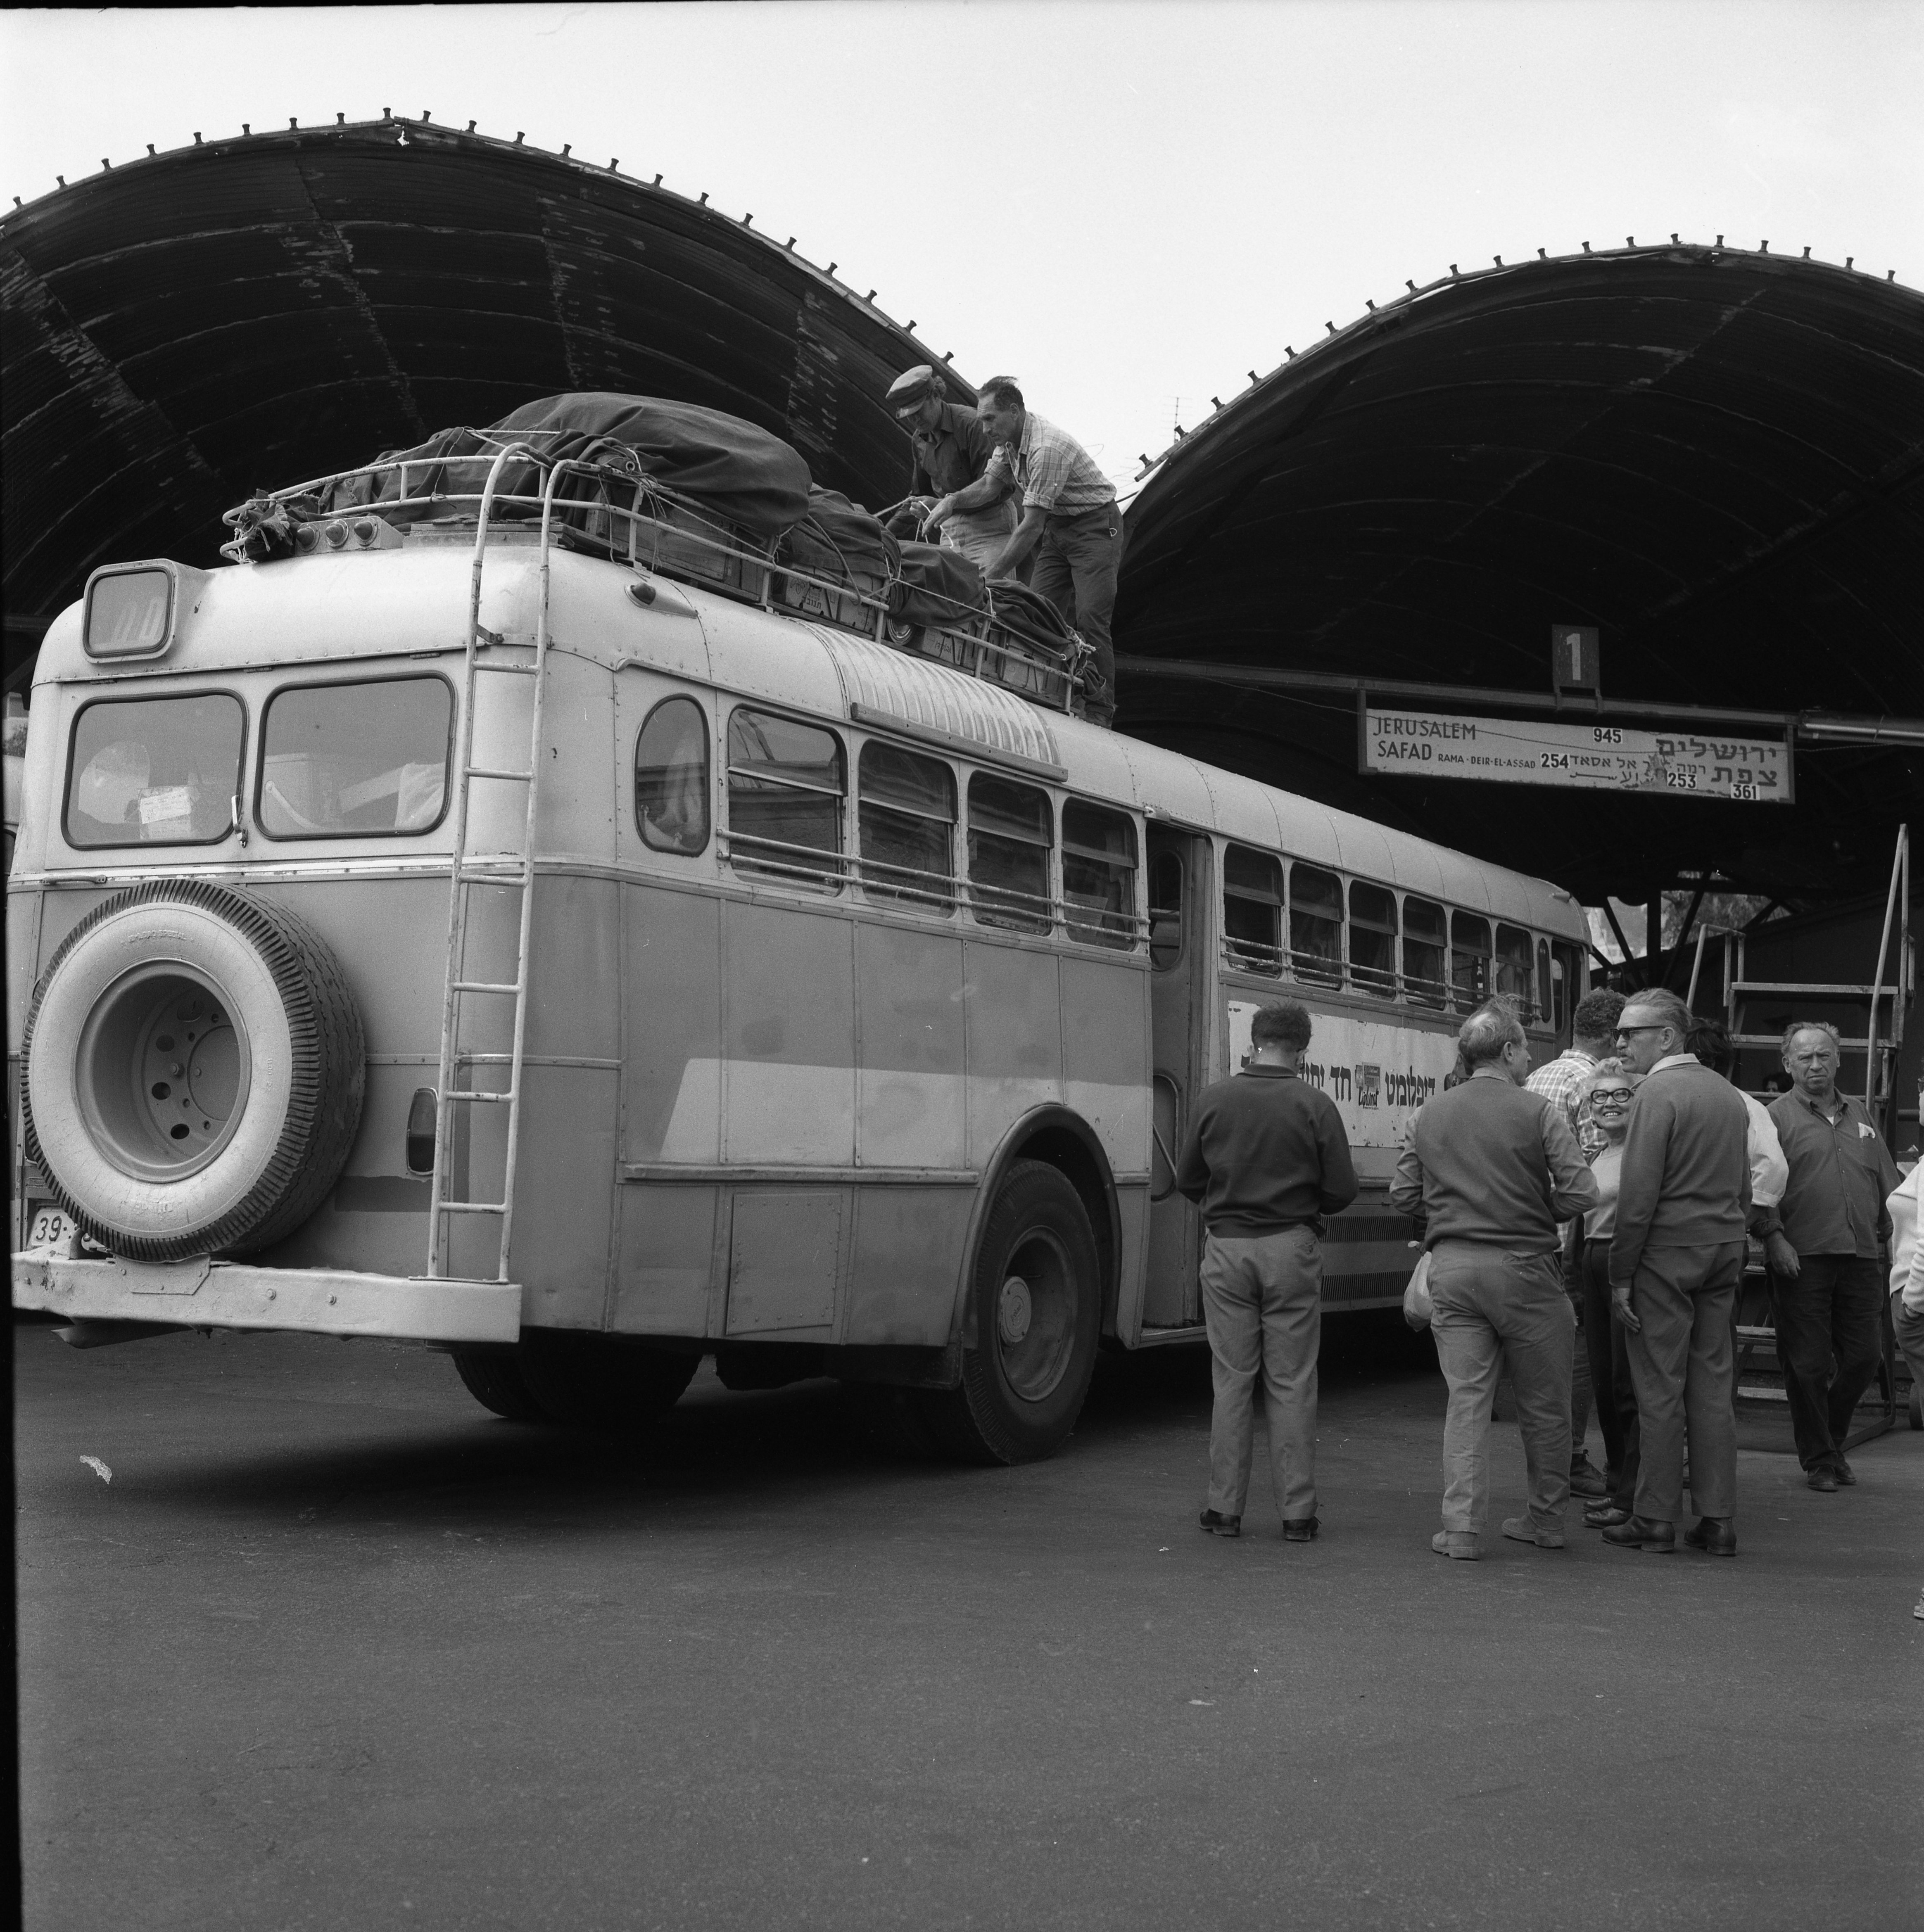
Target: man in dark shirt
[1822,1242]
[1488,1170]
[1266,1158]
[951,448]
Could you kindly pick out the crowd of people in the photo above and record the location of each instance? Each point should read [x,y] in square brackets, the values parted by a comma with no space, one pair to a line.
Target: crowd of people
[1585,1226]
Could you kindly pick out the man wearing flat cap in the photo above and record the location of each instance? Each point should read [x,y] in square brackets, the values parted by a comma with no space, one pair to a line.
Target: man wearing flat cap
[952,450]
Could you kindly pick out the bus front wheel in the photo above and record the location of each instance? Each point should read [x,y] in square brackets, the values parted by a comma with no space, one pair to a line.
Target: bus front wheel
[1031,1328]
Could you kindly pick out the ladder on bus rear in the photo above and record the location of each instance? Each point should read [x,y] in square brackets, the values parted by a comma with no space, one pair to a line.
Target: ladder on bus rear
[514,871]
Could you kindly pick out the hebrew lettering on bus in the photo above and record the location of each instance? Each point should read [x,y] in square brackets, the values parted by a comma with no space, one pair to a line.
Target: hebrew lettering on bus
[1378,1074]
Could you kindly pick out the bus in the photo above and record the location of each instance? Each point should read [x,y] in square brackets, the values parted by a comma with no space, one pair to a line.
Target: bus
[588,958]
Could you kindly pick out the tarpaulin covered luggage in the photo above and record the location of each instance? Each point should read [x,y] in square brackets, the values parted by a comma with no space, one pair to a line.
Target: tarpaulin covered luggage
[839,541]
[935,585]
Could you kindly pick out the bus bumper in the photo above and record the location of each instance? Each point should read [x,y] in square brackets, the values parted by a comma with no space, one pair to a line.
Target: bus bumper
[231,1294]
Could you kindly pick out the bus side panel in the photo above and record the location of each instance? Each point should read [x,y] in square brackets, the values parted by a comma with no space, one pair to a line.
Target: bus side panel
[789,1036]
[667,1260]
[1367,1258]
[1013,1008]
[907,1248]
[1105,1058]
[563,1204]
[909,1098]
[574,970]
[672,1001]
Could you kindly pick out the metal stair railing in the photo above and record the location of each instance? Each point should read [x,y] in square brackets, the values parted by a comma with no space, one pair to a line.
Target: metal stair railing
[463,878]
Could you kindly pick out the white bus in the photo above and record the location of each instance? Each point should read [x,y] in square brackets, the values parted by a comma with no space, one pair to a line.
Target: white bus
[802,1000]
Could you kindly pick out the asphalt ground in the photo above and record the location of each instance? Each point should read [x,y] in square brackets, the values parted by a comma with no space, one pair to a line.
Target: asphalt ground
[333,1648]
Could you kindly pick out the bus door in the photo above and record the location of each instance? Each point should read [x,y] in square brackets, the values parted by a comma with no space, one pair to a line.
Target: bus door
[1181,979]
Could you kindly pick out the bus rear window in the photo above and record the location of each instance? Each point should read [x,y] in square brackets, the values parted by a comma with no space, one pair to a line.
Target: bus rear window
[1425,942]
[366,760]
[155,771]
[1315,924]
[785,786]
[1252,911]
[672,778]
[1010,834]
[1099,876]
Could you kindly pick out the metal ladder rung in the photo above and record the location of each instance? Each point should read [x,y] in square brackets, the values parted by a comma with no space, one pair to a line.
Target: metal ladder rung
[489,772]
[518,876]
[1812,989]
[504,670]
[480,1096]
[474,1207]
[486,986]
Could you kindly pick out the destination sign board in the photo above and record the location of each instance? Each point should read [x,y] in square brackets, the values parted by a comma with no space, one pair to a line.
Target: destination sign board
[1591,757]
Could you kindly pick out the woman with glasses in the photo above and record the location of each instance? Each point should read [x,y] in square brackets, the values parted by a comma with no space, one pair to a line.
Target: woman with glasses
[1605,1109]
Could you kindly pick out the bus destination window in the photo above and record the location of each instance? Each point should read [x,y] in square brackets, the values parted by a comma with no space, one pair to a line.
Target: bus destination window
[671,778]
[786,781]
[1252,911]
[906,815]
[1315,925]
[1010,834]
[1165,911]
[1469,959]
[1425,943]
[1372,940]
[356,760]
[155,771]
[1099,876]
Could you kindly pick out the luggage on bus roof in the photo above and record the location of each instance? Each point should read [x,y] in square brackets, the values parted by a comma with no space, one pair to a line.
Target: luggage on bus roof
[935,585]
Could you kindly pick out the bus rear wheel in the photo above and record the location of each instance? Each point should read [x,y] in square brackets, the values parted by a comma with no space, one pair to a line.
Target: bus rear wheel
[492,1376]
[583,1380]
[1030,1329]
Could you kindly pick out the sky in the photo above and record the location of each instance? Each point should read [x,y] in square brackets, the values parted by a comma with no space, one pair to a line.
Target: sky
[1128,207]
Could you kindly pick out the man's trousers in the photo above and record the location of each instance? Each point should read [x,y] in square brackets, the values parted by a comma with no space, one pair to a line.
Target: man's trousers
[1828,1317]
[1262,1303]
[1491,1302]
[1607,1341]
[1683,1369]
[1075,565]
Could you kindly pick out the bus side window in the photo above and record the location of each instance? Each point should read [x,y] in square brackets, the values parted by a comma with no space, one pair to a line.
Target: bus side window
[905,814]
[1372,940]
[1315,925]
[786,781]
[1469,959]
[1099,876]
[1512,966]
[1011,829]
[1165,909]
[671,778]
[1544,1002]
[1566,968]
[1424,942]
[1252,911]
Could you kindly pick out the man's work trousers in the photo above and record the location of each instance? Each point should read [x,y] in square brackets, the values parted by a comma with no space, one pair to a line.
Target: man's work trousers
[1491,1302]
[1607,1341]
[1828,1317]
[1684,1370]
[1262,1303]
[1076,566]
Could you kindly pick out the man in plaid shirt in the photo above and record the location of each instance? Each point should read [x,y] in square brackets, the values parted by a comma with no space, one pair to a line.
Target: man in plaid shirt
[1593,1035]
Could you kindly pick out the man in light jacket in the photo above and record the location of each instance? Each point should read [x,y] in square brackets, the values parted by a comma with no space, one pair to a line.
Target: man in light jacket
[1676,1258]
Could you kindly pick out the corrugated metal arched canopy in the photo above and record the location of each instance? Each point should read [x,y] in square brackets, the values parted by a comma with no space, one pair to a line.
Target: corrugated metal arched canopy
[1715,456]
[255,310]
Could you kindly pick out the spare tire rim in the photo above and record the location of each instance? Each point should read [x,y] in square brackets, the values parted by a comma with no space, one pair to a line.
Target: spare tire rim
[1035,1330]
[161,1071]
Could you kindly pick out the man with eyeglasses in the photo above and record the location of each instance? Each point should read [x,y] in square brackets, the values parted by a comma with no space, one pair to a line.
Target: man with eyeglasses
[1822,1244]
[1676,1258]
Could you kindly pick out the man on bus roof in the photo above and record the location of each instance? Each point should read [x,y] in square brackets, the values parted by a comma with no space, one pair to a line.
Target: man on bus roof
[952,448]
[1266,1158]
[1069,520]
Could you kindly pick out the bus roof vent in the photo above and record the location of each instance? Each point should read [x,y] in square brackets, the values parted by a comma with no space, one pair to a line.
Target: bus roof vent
[886,686]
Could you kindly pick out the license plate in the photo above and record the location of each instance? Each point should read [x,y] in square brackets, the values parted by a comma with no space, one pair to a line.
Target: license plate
[54,1231]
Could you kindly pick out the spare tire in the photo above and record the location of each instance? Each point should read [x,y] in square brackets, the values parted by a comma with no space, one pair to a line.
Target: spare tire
[193,1067]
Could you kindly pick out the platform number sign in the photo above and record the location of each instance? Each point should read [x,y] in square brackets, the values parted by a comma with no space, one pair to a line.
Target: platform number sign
[1575,657]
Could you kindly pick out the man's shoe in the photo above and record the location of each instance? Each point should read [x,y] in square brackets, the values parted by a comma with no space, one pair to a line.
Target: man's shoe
[1301,1528]
[1844,1473]
[1521,1529]
[1654,1539]
[1823,1479]
[1715,1535]
[1605,1516]
[1584,1481]
[1217,1524]
[1460,1543]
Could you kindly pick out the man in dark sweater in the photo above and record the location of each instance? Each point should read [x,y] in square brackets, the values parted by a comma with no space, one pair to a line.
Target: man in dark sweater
[1266,1158]
[1676,1257]
[1488,1170]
